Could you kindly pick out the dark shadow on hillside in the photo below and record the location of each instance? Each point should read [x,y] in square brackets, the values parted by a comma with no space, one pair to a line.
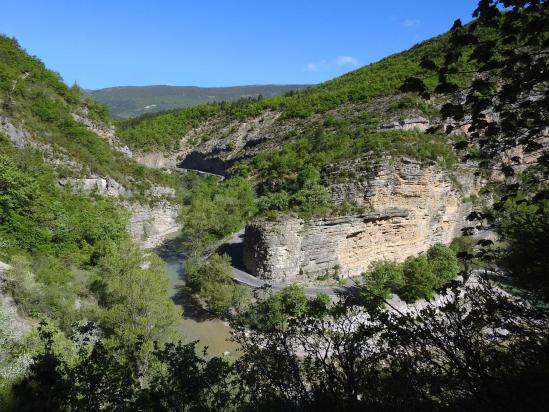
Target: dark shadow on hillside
[192,309]
[170,248]
[207,163]
[352,293]
[235,250]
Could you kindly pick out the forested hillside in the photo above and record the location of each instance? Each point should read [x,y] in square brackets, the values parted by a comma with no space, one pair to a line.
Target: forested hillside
[285,145]
[41,111]
[380,79]
[71,260]
[130,101]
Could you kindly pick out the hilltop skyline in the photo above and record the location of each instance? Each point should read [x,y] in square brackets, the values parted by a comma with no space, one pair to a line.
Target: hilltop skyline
[101,44]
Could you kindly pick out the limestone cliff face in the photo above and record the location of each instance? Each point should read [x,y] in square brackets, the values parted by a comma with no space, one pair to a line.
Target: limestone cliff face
[152,225]
[413,206]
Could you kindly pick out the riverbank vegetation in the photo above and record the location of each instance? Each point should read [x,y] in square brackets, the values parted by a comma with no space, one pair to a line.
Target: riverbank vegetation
[212,211]
[212,280]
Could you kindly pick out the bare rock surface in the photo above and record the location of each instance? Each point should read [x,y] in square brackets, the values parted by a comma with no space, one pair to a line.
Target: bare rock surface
[161,191]
[100,185]
[152,225]
[416,123]
[18,135]
[413,206]
[156,160]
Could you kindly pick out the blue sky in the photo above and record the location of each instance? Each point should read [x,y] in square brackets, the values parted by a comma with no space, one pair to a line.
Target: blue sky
[100,43]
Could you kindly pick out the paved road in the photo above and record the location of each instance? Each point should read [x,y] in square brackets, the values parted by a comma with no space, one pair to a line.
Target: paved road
[234,250]
[220,178]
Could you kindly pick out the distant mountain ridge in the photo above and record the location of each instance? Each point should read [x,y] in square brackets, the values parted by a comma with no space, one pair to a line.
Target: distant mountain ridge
[130,101]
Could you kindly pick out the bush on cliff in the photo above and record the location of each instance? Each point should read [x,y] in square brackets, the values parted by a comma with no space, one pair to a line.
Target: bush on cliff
[418,277]
[444,263]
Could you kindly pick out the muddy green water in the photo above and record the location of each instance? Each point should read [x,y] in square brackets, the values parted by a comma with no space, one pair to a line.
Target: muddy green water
[197,323]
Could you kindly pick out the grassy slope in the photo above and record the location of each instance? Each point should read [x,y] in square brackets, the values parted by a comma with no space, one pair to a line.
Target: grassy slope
[124,102]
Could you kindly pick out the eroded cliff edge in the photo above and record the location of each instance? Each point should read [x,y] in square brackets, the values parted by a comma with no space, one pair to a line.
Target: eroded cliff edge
[410,206]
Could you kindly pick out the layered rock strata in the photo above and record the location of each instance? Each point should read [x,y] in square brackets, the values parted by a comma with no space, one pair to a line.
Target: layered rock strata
[413,206]
[152,225]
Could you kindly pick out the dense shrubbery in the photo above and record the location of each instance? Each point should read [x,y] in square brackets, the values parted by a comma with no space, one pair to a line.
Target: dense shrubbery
[213,211]
[276,310]
[304,355]
[290,178]
[524,225]
[212,280]
[124,295]
[418,277]
[135,307]
[39,217]
[383,278]
[62,246]
[14,358]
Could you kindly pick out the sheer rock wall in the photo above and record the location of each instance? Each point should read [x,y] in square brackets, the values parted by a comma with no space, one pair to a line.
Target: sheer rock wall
[413,206]
[150,225]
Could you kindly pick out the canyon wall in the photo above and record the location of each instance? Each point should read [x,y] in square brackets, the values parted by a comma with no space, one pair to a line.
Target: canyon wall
[150,226]
[411,207]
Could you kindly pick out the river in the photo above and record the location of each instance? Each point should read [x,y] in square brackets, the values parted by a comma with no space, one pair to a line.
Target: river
[197,324]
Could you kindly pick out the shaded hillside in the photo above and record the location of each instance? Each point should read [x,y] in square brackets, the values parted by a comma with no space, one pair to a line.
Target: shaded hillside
[130,101]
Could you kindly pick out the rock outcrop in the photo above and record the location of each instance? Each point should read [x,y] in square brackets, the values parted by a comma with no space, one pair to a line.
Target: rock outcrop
[413,206]
[19,136]
[102,186]
[156,160]
[152,225]
[106,132]
[160,191]
[416,123]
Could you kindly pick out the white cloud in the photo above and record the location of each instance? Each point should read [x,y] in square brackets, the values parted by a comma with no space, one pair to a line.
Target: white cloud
[346,61]
[311,67]
[339,61]
[411,23]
